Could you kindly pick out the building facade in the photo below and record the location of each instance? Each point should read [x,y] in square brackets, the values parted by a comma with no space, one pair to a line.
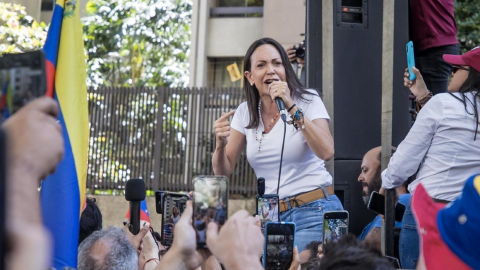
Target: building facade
[222,31]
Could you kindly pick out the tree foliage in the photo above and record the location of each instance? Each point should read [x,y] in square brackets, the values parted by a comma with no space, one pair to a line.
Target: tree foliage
[19,32]
[137,42]
[467,16]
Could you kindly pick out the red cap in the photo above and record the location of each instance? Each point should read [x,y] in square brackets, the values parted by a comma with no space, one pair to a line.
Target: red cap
[470,58]
[436,253]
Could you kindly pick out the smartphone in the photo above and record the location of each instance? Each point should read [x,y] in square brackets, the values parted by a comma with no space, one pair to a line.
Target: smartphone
[267,209]
[279,244]
[410,60]
[376,203]
[173,206]
[22,79]
[335,225]
[158,201]
[210,203]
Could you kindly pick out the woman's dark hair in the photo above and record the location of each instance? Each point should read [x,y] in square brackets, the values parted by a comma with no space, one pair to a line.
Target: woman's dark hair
[90,220]
[313,248]
[351,254]
[471,84]
[251,92]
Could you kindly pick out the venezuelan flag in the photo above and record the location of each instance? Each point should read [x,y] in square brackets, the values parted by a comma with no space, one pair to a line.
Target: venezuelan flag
[144,214]
[63,193]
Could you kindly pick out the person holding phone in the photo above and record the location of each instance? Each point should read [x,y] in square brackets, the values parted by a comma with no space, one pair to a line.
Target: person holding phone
[175,215]
[305,187]
[443,144]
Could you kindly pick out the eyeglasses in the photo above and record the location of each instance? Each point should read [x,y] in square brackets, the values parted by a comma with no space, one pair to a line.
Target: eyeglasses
[457,68]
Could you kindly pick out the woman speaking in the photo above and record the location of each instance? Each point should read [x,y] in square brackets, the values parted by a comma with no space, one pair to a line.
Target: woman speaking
[303,184]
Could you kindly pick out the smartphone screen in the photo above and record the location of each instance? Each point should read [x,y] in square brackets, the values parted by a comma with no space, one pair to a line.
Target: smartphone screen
[335,225]
[376,203]
[173,206]
[210,200]
[267,209]
[22,79]
[279,244]
[159,201]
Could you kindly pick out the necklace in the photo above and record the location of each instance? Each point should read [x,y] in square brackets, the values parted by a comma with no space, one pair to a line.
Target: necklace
[272,122]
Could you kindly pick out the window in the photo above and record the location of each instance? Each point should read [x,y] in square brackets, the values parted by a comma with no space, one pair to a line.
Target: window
[237,8]
[239,3]
[225,72]
[47,5]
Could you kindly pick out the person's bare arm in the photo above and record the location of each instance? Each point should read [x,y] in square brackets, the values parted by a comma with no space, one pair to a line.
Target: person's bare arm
[229,146]
[318,137]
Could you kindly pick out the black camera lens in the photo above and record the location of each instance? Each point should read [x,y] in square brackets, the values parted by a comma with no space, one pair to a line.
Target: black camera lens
[300,52]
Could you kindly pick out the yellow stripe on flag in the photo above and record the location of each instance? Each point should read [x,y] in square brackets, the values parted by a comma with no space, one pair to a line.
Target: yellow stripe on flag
[71,88]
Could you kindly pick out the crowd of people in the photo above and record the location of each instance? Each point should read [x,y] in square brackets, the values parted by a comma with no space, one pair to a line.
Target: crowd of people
[435,172]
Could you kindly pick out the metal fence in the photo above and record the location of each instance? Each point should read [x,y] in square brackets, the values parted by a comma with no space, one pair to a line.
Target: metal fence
[162,135]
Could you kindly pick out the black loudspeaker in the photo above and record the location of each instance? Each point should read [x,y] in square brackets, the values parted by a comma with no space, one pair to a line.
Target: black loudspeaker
[357,86]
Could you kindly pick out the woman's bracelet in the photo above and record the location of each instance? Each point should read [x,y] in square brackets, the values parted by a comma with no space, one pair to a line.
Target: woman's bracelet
[297,119]
[289,109]
[151,259]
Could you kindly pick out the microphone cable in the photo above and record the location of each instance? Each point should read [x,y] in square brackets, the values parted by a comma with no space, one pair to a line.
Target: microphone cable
[281,156]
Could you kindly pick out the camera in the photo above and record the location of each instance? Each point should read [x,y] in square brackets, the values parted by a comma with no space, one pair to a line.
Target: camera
[300,50]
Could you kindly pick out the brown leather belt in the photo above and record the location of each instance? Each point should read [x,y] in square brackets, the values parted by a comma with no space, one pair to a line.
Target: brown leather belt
[440,201]
[304,198]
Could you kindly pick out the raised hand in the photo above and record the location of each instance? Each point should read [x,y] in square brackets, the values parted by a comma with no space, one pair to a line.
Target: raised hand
[417,86]
[222,129]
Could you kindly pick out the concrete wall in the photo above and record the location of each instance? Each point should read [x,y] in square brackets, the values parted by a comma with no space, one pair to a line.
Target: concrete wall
[232,36]
[284,21]
[114,208]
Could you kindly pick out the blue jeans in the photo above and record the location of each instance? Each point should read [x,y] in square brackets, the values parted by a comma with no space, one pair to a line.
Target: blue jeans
[308,219]
[409,241]
[435,71]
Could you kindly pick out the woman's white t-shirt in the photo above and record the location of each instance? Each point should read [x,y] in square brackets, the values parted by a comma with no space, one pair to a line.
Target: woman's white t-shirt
[302,170]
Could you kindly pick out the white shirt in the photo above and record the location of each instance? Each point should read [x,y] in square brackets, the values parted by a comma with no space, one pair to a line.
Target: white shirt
[302,170]
[273,214]
[441,140]
[175,219]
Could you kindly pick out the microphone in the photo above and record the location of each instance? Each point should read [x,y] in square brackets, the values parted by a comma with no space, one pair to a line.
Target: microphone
[135,194]
[281,109]
[261,186]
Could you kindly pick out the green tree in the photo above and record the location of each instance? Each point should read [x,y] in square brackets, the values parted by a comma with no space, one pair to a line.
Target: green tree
[19,32]
[137,42]
[467,16]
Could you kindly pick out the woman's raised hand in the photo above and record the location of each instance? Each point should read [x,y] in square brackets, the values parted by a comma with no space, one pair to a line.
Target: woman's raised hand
[222,129]
[417,86]
[280,89]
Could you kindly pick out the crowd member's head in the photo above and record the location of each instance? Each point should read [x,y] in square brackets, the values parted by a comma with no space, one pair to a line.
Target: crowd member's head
[449,234]
[107,249]
[91,220]
[371,169]
[466,71]
[311,251]
[466,78]
[267,60]
[351,254]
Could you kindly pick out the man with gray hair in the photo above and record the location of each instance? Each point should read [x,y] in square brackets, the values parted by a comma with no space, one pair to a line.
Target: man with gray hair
[107,249]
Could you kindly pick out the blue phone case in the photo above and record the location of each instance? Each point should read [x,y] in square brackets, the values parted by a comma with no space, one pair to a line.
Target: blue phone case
[410,60]
[266,233]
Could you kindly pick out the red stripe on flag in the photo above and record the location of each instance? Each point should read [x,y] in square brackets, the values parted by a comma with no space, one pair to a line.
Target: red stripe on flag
[50,70]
